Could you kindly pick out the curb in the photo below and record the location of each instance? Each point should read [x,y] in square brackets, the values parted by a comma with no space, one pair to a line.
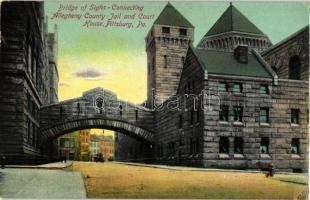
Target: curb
[36,166]
[177,168]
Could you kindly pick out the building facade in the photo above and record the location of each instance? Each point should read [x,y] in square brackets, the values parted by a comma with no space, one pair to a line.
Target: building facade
[235,100]
[68,146]
[28,58]
[107,147]
[131,149]
[84,141]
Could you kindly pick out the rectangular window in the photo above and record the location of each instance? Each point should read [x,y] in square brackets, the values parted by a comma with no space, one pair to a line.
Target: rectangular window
[264,89]
[295,116]
[183,32]
[224,145]
[197,146]
[197,116]
[237,87]
[295,146]
[137,114]
[238,110]
[224,111]
[264,115]
[222,87]
[165,61]
[192,117]
[165,30]
[238,145]
[191,146]
[264,145]
[180,121]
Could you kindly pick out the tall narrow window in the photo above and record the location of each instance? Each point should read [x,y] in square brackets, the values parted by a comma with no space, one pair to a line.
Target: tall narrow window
[198,116]
[180,121]
[264,115]
[78,108]
[264,145]
[294,116]
[238,145]
[223,114]
[183,60]
[295,146]
[294,68]
[136,112]
[191,146]
[192,117]
[238,112]
[197,145]
[120,110]
[224,145]
[165,61]
[263,89]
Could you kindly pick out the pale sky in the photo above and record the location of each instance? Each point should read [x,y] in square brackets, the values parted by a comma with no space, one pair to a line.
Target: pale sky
[116,56]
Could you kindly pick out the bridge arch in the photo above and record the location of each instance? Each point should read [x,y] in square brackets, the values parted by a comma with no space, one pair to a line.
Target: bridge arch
[79,124]
[89,111]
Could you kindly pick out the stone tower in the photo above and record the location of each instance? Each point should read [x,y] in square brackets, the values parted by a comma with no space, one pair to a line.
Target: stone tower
[166,46]
[233,29]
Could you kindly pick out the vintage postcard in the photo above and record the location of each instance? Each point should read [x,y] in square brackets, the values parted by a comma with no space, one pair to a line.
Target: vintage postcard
[154,99]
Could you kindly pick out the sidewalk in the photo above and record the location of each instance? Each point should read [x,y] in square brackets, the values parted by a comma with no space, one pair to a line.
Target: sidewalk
[183,168]
[55,165]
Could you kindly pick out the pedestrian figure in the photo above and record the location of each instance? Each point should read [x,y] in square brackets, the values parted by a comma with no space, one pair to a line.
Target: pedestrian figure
[270,169]
[3,162]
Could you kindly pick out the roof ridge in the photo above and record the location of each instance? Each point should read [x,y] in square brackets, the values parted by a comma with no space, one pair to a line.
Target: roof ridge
[233,20]
[171,16]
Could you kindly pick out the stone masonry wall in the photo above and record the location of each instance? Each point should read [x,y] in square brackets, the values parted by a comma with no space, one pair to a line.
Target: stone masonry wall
[279,56]
[164,76]
[187,133]
[284,96]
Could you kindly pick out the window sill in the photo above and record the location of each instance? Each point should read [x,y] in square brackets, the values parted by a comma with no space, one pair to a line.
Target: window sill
[296,156]
[294,125]
[223,122]
[264,124]
[223,156]
[238,156]
[238,123]
[264,155]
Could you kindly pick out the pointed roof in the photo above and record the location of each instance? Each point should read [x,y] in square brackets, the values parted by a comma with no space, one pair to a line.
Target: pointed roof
[171,16]
[233,20]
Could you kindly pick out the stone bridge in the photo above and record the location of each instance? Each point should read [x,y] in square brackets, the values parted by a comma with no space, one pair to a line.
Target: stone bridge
[97,108]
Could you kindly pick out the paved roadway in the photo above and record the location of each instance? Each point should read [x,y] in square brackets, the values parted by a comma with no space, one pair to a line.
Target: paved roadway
[41,183]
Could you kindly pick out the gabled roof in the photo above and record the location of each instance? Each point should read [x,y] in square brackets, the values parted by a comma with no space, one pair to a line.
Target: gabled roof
[233,20]
[221,62]
[171,16]
[290,37]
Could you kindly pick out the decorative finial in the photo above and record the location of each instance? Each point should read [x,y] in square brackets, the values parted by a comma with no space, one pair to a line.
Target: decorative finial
[230,3]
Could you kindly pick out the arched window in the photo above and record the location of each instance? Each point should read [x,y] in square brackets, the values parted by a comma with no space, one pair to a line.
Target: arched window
[294,68]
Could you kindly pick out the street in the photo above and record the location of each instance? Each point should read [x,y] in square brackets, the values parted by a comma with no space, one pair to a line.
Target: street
[40,183]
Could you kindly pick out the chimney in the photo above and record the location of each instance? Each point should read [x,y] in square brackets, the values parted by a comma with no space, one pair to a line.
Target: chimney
[241,54]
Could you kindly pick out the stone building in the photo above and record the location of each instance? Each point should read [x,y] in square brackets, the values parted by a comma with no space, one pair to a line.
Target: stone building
[28,58]
[131,149]
[84,141]
[234,101]
[107,147]
[68,146]
[94,146]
